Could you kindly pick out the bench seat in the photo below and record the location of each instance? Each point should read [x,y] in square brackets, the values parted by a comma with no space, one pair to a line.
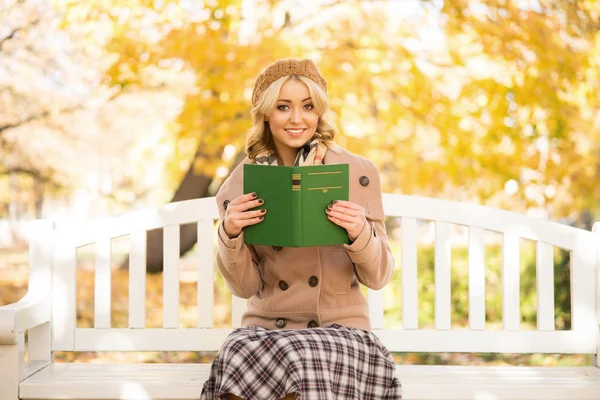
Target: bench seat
[184,381]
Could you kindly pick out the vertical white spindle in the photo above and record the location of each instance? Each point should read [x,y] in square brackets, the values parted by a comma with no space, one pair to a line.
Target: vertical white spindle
[511,310]
[476,279]
[39,343]
[21,349]
[409,274]
[584,264]
[64,308]
[545,286]
[40,270]
[442,275]
[137,279]
[171,276]
[102,289]
[206,285]
[596,244]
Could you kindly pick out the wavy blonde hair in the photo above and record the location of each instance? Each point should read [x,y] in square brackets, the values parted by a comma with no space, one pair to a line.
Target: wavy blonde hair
[259,137]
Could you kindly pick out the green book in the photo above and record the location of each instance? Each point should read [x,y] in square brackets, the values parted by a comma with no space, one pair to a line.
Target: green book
[295,200]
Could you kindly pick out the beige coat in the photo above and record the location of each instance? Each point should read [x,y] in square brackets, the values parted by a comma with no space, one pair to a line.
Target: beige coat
[311,286]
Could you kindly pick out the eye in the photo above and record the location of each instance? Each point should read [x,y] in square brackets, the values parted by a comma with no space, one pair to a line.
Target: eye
[282,107]
[308,107]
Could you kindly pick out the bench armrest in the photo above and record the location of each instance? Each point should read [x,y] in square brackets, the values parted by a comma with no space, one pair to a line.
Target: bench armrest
[35,308]
[31,311]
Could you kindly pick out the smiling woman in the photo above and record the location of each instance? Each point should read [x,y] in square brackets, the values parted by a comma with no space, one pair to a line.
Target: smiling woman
[306,330]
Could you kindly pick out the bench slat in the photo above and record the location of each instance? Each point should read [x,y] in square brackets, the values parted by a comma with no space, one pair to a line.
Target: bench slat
[206,286]
[467,214]
[63,296]
[171,276]
[476,279]
[442,275]
[584,263]
[439,382]
[418,340]
[137,279]
[544,272]
[409,274]
[375,299]
[511,276]
[102,289]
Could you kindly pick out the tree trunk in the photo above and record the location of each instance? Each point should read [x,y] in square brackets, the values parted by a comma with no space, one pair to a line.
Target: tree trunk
[192,186]
[39,196]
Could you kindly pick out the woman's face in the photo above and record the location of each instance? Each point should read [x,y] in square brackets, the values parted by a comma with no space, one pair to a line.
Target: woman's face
[294,119]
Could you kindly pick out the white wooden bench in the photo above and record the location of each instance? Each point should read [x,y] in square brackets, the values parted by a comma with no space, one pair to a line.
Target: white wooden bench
[48,311]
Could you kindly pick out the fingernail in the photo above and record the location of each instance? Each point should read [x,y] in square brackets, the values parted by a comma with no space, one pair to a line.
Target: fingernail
[334,202]
[261,218]
[327,210]
[261,201]
[263,211]
[254,195]
[329,206]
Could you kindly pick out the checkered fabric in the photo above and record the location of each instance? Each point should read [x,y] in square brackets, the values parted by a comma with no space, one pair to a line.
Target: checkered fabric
[333,362]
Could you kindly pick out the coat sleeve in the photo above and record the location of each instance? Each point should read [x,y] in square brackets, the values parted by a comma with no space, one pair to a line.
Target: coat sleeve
[236,261]
[370,251]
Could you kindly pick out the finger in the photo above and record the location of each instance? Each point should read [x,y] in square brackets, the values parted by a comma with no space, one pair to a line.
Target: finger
[341,216]
[242,223]
[346,211]
[252,214]
[244,198]
[346,204]
[253,221]
[339,222]
[247,205]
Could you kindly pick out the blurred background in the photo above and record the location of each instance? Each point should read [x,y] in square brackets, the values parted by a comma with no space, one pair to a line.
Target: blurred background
[108,106]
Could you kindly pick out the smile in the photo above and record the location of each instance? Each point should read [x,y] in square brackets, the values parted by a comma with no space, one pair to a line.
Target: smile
[295,131]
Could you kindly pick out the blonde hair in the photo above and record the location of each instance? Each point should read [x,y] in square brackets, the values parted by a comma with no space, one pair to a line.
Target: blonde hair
[259,137]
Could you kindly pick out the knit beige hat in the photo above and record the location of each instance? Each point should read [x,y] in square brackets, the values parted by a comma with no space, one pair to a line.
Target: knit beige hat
[284,67]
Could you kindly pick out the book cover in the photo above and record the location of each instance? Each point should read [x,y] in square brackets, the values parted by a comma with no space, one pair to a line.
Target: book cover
[295,200]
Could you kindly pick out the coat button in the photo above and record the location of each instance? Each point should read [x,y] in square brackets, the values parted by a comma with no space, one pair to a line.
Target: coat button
[364,180]
[277,248]
[312,324]
[280,323]
[283,285]
[225,204]
[313,281]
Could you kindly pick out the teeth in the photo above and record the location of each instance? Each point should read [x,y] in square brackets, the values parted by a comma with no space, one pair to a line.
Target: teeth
[294,130]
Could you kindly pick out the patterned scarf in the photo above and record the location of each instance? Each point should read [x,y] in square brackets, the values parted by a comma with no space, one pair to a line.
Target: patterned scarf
[311,153]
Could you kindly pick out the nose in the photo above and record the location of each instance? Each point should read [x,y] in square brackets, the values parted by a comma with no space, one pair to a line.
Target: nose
[296,116]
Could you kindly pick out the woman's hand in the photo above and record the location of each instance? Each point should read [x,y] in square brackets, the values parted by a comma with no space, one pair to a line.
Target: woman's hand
[348,215]
[237,215]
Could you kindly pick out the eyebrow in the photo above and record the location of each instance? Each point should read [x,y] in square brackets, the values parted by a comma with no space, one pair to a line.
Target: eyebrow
[289,101]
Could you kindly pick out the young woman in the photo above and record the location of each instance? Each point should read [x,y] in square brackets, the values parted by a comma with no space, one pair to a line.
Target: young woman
[306,331]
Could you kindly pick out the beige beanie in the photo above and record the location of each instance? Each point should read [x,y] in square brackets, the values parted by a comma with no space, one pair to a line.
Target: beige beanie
[284,67]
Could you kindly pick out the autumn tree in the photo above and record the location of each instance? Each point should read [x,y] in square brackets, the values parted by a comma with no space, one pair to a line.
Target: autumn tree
[493,102]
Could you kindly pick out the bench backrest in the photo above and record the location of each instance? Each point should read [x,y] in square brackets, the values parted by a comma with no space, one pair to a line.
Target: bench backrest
[585,298]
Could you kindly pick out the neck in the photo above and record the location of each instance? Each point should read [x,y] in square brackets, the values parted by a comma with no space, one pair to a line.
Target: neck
[286,158]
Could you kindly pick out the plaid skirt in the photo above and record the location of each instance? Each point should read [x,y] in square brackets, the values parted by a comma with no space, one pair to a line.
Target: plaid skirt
[332,362]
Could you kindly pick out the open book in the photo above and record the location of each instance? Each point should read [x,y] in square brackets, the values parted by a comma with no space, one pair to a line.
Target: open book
[295,200]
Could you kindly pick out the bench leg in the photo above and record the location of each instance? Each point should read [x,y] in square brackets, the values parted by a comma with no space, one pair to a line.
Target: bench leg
[9,372]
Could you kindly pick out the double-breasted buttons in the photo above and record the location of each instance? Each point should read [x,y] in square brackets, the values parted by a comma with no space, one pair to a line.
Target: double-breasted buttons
[312,324]
[283,285]
[280,323]
[364,180]
[225,204]
[277,248]
[313,281]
